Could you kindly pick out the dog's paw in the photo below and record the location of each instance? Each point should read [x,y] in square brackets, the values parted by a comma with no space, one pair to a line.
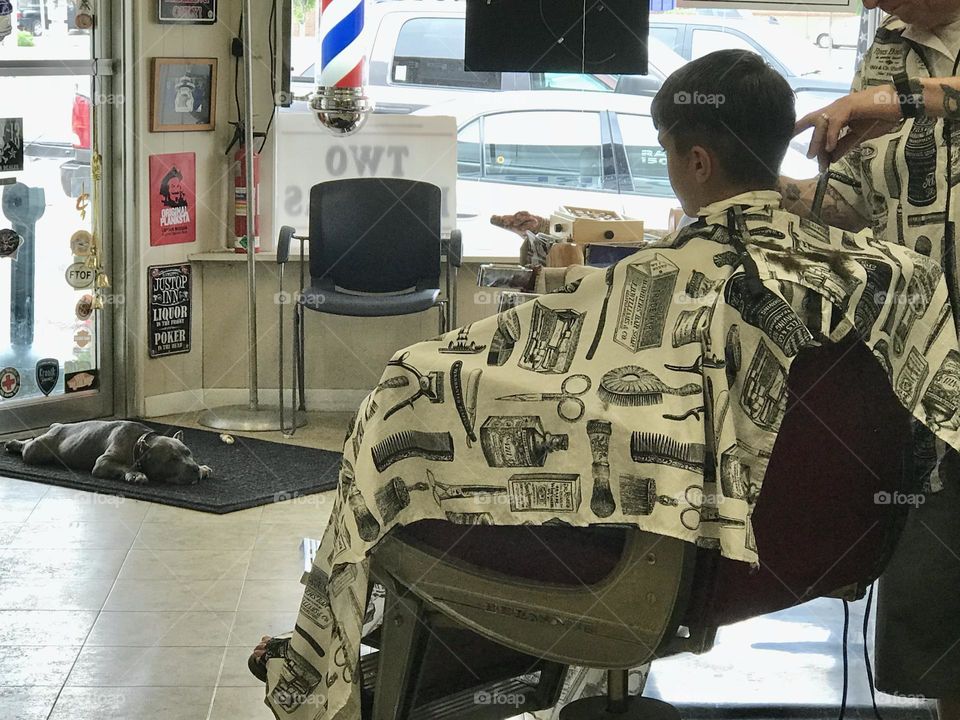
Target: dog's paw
[205,472]
[135,478]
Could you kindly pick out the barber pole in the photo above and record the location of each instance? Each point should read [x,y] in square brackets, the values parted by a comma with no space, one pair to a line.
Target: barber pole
[341,53]
[340,103]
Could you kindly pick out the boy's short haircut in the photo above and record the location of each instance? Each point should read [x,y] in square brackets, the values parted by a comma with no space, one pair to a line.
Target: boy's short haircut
[735,104]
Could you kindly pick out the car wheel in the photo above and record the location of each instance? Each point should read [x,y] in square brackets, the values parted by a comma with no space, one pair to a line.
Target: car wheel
[37,28]
[824,41]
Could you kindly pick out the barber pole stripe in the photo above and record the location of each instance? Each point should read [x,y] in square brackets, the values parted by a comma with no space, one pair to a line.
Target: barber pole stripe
[341,49]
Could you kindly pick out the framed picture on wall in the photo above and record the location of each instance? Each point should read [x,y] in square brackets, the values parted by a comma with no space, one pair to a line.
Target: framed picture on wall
[184,95]
[190,12]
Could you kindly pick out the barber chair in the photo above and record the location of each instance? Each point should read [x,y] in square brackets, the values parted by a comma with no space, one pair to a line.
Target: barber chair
[480,613]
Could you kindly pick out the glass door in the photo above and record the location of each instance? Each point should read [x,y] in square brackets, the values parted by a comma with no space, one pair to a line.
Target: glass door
[55,239]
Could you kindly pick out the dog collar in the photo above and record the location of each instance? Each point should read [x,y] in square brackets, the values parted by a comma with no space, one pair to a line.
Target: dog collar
[140,449]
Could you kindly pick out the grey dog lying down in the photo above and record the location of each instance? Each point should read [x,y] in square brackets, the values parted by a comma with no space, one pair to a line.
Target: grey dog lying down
[115,450]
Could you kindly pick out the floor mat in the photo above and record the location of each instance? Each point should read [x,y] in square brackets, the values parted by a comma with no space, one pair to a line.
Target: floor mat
[245,474]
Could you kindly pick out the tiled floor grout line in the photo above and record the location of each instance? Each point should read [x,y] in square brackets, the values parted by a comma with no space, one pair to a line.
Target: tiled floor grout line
[233,624]
[106,597]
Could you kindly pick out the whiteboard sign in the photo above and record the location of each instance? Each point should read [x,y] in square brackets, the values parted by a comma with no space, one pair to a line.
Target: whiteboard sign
[394,146]
[799,6]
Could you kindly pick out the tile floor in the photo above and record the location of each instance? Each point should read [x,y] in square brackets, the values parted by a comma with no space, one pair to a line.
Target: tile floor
[115,609]
[121,609]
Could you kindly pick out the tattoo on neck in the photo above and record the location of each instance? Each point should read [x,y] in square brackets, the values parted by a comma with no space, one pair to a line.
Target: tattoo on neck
[951,102]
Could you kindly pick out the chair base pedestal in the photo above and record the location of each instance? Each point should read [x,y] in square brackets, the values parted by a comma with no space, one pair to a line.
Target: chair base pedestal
[244,419]
[638,708]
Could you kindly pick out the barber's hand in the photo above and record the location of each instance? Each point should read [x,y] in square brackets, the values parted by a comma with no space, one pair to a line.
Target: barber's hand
[849,121]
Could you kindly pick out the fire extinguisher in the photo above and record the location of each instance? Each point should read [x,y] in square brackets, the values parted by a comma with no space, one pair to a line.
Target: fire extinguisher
[240,233]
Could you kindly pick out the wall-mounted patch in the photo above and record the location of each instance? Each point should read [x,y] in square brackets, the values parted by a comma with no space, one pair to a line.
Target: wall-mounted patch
[9,382]
[48,372]
[85,307]
[82,337]
[80,276]
[9,243]
[81,381]
[11,144]
[81,243]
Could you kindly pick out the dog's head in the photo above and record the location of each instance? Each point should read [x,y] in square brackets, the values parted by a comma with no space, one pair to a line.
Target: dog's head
[168,460]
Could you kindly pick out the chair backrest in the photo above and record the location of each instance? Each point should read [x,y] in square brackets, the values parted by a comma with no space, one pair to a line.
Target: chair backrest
[375,235]
[824,520]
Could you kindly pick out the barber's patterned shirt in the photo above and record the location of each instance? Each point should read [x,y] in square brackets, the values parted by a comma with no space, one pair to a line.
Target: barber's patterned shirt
[899,180]
[648,394]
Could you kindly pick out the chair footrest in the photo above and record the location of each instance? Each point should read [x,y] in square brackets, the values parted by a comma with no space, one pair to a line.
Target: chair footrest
[492,701]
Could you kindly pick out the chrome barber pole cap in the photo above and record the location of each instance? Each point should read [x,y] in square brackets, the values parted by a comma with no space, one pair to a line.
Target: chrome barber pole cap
[340,102]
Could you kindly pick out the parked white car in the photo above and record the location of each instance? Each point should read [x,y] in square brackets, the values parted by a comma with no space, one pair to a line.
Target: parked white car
[415,59]
[536,151]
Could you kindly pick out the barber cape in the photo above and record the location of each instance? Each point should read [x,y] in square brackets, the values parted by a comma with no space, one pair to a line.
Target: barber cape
[647,394]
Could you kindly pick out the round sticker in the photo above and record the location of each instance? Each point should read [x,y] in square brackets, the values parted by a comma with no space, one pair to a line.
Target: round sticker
[85,307]
[80,276]
[81,243]
[82,337]
[9,382]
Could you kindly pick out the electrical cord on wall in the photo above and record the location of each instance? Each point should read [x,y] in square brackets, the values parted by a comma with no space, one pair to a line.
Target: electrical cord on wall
[237,51]
[272,33]
[846,667]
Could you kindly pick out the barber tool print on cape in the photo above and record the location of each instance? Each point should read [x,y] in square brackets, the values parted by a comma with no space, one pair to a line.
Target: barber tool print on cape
[465,393]
[462,345]
[647,297]
[504,338]
[666,423]
[634,386]
[553,339]
[518,441]
[570,406]
[427,385]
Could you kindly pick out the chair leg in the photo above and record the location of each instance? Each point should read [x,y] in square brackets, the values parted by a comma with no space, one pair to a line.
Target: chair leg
[298,339]
[403,641]
[618,705]
[442,306]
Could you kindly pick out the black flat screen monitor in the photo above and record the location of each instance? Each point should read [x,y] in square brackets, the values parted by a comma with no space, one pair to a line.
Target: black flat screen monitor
[568,36]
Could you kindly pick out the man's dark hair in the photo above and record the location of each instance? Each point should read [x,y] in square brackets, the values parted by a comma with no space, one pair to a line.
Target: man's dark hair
[735,104]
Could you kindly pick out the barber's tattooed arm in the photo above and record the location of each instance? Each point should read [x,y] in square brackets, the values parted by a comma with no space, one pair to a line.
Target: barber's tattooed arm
[951,102]
[798,198]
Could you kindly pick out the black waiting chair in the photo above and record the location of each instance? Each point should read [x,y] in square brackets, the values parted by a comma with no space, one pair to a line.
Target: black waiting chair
[374,250]
[481,622]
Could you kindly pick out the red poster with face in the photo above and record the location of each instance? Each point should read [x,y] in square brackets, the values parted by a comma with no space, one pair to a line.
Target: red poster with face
[173,198]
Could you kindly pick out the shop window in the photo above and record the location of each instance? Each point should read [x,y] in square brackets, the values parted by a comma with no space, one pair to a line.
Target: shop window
[708,41]
[646,159]
[430,52]
[558,149]
[571,81]
[468,151]
[667,35]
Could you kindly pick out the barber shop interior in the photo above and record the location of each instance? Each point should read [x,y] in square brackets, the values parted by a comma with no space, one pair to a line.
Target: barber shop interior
[344,377]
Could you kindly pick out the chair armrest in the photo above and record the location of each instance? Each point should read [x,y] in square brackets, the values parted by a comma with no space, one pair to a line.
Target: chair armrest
[455,248]
[283,244]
